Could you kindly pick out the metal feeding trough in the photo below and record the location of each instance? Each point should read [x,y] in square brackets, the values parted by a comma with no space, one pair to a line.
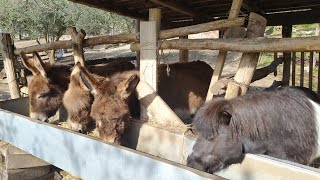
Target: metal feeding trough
[150,153]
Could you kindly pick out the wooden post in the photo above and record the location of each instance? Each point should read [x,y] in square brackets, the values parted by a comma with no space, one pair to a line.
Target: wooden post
[318,91]
[77,44]
[311,70]
[302,69]
[293,74]
[234,12]
[51,54]
[149,34]
[286,33]
[248,63]
[137,30]
[183,54]
[7,51]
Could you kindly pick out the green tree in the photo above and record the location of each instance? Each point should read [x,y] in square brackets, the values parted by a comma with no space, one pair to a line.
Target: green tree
[49,19]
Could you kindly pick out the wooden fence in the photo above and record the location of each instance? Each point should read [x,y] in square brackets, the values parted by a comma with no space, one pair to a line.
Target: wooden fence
[305,71]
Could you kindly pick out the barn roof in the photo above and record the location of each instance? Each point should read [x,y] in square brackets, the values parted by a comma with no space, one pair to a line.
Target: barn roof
[186,12]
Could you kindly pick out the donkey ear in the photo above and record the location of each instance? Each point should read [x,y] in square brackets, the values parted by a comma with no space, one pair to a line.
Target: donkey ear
[225,117]
[126,87]
[86,79]
[28,63]
[39,64]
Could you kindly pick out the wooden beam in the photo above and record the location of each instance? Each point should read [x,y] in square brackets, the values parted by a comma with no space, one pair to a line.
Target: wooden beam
[178,7]
[293,18]
[302,69]
[286,33]
[98,40]
[149,54]
[293,74]
[251,6]
[77,46]
[183,54]
[219,63]
[249,61]
[210,26]
[158,110]
[247,45]
[134,37]
[6,48]
[311,69]
[137,30]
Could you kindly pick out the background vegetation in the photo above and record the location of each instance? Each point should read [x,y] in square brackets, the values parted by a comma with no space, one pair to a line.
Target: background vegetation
[49,19]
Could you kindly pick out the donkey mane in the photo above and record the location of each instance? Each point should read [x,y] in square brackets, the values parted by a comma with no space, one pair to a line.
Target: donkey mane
[280,116]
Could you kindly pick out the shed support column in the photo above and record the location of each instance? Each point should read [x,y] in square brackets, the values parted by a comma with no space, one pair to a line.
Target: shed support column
[77,44]
[248,63]
[137,30]
[286,33]
[149,35]
[183,54]
[6,47]
[234,12]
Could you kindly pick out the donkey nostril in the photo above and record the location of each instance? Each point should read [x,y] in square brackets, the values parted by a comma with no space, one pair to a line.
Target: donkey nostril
[80,131]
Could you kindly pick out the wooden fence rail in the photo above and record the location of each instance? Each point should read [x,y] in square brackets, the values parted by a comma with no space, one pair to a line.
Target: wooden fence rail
[305,61]
[134,37]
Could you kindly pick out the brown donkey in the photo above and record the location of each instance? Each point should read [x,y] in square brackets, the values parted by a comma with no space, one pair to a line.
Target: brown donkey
[46,87]
[184,88]
[49,83]
[109,108]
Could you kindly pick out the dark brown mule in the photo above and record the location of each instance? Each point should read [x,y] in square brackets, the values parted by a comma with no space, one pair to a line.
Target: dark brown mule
[284,123]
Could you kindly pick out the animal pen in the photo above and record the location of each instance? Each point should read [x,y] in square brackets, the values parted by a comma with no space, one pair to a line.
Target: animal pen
[156,144]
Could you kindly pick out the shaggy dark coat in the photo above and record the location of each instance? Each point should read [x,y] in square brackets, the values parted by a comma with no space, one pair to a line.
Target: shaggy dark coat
[281,123]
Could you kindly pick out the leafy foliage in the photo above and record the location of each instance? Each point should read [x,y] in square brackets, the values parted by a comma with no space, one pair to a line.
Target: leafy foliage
[50,18]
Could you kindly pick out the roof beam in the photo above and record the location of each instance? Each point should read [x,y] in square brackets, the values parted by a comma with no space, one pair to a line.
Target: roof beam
[294,18]
[251,6]
[176,7]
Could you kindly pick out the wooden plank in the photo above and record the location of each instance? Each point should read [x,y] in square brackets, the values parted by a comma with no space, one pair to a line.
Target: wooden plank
[286,33]
[293,74]
[158,111]
[311,69]
[134,37]
[149,53]
[87,157]
[178,7]
[183,54]
[221,58]
[246,45]
[6,48]
[302,69]
[248,62]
